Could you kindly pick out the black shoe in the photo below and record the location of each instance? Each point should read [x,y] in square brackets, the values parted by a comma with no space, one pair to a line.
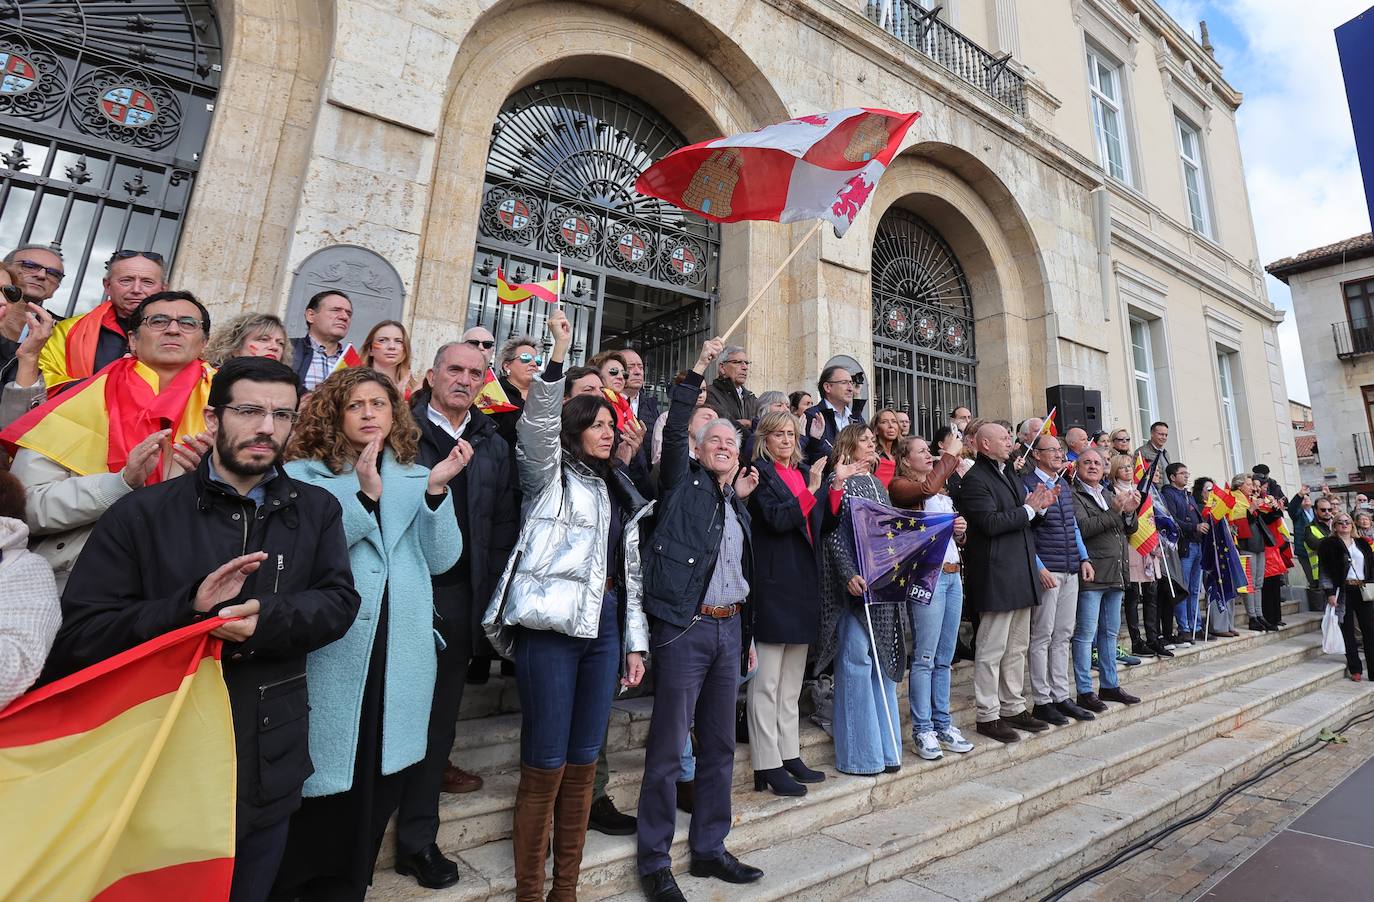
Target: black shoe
[1050,714]
[429,867]
[1281,623]
[1185,637]
[779,781]
[1269,627]
[801,772]
[1159,650]
[686,796]
[1117,695]
[962,652]
[1024,721]
[892,768]
[661,887]
[1090,701]
[1142,650]
[479,671]
[997,729]
[604,818]
[727,867]
[1075,711]
[1255,625]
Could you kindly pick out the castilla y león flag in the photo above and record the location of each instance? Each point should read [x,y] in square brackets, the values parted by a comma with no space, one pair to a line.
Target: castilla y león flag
[822,166]
[118,781]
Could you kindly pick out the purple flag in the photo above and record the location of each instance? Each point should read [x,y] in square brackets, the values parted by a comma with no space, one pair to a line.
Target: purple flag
[899,552]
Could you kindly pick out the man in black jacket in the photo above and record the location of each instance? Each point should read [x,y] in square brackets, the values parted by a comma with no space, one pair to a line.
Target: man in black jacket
[485,504]
[236,538]
[837,409]
[1000,579]
[696,576]
[727,395]
[327,317]
[645,407]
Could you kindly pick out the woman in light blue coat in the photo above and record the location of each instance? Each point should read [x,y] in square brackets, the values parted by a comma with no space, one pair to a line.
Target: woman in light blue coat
[370,691]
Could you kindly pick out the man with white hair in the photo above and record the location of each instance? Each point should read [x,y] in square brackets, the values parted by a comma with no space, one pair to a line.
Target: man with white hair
[727,394]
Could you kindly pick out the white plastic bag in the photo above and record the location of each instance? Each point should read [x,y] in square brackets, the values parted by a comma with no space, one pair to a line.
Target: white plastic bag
[1333,643]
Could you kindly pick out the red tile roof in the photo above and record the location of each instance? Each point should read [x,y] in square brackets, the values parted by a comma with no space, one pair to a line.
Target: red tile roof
[1307,445]
[1342,251]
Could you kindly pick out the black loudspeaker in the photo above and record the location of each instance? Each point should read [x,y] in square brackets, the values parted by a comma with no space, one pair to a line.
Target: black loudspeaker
[1092,411]
[1070,402]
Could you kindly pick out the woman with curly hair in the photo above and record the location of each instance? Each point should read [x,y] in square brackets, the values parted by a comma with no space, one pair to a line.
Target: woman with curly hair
[387,350]
[249,335]
[370,691]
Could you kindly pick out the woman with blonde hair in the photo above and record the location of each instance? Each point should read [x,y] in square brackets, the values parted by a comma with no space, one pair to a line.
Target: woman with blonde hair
[370,691]
[386,349]
[249,335]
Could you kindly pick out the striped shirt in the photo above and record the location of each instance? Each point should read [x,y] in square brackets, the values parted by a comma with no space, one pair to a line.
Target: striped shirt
[728,585]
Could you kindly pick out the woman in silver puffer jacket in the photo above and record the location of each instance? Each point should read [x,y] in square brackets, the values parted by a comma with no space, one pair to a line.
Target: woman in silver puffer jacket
[572,589]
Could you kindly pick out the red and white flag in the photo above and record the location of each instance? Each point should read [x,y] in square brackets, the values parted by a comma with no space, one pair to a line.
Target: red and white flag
[823,166]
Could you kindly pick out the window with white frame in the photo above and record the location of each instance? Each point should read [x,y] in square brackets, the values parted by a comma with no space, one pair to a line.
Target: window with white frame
[1143,359]
[1194,175]
[1109,115]
[1230,417]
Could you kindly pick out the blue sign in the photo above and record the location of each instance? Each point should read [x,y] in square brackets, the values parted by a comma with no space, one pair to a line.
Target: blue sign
[1355,44]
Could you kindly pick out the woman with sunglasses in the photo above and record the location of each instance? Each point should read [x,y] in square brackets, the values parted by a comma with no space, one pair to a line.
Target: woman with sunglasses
[19,359]
[1346,562]
[613,370]
[387,350]
[517,365]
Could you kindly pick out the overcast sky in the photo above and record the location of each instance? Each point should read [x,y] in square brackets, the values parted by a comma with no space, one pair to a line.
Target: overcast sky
[1305,187]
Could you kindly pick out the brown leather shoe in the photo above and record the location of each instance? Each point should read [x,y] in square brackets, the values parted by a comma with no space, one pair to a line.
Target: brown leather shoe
[1117,695]
[1090,701]
[570,829]
[534,810]
[998,729]
[458,780]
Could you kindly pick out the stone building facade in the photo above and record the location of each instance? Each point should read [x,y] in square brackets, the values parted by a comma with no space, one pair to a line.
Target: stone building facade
[1070,208]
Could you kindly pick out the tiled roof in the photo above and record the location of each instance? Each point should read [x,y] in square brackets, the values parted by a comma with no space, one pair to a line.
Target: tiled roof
[1306,444]
[1349,249]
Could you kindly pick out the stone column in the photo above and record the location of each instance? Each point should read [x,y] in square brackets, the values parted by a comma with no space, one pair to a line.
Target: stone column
[1005,30]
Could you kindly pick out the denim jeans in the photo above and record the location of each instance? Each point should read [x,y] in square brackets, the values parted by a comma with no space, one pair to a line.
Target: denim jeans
[1185,611]
[1099,617]
[937,629]
[866,740]
[565,687]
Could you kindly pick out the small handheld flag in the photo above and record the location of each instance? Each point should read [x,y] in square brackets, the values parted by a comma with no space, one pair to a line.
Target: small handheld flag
[519,292]
[348,358]
[1146,537]
[899,552]
[624,413]
[491,397]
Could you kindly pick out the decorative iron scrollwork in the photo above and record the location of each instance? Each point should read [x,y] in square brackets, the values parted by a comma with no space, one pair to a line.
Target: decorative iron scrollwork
[128,106]
[33,81]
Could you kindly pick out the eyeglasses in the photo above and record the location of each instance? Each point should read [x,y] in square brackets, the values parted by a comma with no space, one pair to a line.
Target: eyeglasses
[57,275]
[479,343]
[1052,449]
[250,413]
[841,382]
[1345,523]
[13,293]
[536,359]
[1122,438]
[128,255]
[161,322]
[736,362]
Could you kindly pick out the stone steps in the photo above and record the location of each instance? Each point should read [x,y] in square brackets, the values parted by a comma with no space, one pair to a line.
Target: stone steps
[477,826]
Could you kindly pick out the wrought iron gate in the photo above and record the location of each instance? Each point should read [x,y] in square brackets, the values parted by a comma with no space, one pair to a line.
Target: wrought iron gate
[923,351]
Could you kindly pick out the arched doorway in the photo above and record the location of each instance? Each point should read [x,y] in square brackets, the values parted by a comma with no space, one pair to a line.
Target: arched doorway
[924,359]
[105,114]
[560,176]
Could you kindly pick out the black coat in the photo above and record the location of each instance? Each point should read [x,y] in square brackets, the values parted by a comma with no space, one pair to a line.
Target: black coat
[640,469]
[814,449]
[137,578]
[690,521]
[999,553]
[785,592]
[301,355]
[727,403]
[1334,561]
[486,489]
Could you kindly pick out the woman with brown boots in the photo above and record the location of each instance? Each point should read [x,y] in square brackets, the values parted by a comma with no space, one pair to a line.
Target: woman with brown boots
[568,612]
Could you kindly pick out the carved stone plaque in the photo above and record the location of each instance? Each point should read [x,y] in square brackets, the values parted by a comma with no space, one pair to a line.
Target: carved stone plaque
[365,276]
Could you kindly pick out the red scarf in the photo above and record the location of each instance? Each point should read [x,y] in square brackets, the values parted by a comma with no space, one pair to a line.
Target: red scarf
[137,409]
[85,335]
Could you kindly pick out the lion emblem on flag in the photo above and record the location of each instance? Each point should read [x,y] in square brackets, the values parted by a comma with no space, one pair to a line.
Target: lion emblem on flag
[713,185]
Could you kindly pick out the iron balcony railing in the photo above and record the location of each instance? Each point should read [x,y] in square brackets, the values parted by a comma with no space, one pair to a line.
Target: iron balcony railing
[1352,340]
[1364,450]
[921,28]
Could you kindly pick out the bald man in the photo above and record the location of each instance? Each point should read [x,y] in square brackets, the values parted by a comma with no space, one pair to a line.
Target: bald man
[480,337]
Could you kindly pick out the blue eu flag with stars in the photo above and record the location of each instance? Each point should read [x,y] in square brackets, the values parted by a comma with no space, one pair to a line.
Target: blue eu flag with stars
[899,552]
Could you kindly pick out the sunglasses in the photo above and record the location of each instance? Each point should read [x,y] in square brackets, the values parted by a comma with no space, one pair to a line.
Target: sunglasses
[128,255]
[479,343]
[531,358]
[13,293]
[31,266]
[615,371]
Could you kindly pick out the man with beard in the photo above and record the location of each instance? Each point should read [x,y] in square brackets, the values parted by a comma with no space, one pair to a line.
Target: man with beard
[239,540]
[484,501]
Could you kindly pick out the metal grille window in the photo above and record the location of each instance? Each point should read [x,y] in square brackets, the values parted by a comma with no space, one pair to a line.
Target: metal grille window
[1109,119]
[1194,176]
[104,111]
[923,350]
[560,183]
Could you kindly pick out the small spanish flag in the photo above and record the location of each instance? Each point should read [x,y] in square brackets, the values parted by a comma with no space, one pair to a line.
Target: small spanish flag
[348,358]
[119,779]
[1145,538]
[492,398]
[1050,427]
[1220,503]
[519,292]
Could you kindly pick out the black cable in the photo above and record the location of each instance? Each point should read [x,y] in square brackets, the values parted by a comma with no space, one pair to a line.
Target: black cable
[1145,842]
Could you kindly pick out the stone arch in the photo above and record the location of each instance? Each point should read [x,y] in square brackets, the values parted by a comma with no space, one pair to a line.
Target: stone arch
[671,58]
[275,56]
[973,211]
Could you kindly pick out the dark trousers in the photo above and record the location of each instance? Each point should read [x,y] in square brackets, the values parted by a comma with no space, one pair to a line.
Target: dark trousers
[1356,608]
[696,679]
[1271,598]
[1166,596]
[417,820]
[256,858]
[1141,602]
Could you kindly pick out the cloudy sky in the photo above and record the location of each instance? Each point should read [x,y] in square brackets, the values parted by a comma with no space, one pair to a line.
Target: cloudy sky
[1295,130]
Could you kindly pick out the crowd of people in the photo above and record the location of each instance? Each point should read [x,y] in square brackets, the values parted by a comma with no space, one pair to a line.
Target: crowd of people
[368,539]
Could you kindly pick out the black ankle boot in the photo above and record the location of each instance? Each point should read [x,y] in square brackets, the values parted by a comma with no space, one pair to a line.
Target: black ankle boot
[779,781]
[801,772]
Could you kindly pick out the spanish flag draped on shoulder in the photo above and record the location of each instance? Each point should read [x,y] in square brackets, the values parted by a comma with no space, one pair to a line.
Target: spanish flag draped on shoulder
[118,781]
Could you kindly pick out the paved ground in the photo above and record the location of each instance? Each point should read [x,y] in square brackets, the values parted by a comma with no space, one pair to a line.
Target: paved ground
[1189,864]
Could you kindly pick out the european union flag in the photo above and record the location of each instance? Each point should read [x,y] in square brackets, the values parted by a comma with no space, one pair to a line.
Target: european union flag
[899,552]
[1222,572]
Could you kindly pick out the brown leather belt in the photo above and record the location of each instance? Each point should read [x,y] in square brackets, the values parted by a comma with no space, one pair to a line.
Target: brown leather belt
[1354,583]
[719,611]
[949,568]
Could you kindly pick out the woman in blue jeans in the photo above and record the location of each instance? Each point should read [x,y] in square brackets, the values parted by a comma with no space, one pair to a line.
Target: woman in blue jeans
[568,612]
[919,485]
[1105,519]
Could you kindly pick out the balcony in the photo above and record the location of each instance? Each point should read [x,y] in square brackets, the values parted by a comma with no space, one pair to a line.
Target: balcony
[920,28]
[1364,450]
[1352,340]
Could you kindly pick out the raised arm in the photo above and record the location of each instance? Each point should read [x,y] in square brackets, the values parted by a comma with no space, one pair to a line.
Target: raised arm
[537,453]
[672,466]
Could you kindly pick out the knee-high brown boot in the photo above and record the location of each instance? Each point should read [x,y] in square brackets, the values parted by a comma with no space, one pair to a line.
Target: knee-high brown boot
[570,829]
[534,806]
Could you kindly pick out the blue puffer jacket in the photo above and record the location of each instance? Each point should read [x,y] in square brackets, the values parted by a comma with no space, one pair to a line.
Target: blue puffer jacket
[1056,533]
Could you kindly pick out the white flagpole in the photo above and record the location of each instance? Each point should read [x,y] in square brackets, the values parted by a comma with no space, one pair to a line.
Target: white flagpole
[559,274]
[882,687]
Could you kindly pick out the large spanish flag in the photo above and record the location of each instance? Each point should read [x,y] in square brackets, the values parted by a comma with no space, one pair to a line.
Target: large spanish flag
[118,781]
[1145,538]
[508,292]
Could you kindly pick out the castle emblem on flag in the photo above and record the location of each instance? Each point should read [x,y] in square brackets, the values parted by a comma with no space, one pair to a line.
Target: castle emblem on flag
[713,186]
[128,106]
[868,140]
[17,74]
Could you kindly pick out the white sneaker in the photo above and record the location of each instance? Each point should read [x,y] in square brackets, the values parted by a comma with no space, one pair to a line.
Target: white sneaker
[928,746]
[952,740]
[1170,647]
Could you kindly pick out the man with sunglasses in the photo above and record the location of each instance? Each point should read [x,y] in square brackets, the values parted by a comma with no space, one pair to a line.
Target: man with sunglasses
[1324,511]
[84,345]
[480,337]
[38,271]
